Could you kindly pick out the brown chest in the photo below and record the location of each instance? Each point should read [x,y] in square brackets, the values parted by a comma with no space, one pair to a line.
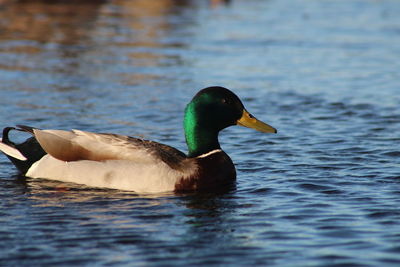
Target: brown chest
[216,172]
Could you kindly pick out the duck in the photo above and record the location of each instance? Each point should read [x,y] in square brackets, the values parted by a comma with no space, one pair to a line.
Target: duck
[106,160]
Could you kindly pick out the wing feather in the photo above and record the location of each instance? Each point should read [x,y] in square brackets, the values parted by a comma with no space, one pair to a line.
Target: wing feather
[80,145]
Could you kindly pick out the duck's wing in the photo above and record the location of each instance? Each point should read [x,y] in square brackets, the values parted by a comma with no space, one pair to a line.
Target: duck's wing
[80,145]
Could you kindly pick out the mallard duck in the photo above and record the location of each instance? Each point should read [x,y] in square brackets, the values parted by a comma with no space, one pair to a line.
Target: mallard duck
[126,163]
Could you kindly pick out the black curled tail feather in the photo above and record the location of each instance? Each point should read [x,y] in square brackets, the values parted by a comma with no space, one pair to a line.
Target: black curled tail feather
[30,148]
[5,138]
[24,128]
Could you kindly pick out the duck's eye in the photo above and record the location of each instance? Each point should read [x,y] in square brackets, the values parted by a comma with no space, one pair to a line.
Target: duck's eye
[224,101]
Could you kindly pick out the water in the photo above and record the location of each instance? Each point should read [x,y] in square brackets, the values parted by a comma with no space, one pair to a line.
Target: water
[324,191]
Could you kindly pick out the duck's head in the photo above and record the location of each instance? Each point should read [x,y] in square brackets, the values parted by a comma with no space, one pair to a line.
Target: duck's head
[211,110]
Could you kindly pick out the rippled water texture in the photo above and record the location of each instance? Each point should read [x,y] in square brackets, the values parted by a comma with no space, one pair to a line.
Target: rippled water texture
[324,191]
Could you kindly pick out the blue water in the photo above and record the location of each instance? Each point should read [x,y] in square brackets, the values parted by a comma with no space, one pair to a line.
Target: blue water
[324,191]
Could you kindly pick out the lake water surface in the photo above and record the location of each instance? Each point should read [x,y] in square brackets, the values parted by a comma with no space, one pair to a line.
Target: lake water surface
[324,191]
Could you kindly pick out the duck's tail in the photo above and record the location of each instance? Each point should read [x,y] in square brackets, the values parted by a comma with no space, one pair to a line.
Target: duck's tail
[21,155]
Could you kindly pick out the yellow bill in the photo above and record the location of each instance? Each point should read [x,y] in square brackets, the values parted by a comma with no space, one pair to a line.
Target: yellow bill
[248,120]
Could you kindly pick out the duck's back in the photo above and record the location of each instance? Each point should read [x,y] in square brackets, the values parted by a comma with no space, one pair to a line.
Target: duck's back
[110,161]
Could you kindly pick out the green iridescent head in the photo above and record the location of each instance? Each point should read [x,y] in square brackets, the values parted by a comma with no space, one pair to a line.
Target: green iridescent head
[211,110]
